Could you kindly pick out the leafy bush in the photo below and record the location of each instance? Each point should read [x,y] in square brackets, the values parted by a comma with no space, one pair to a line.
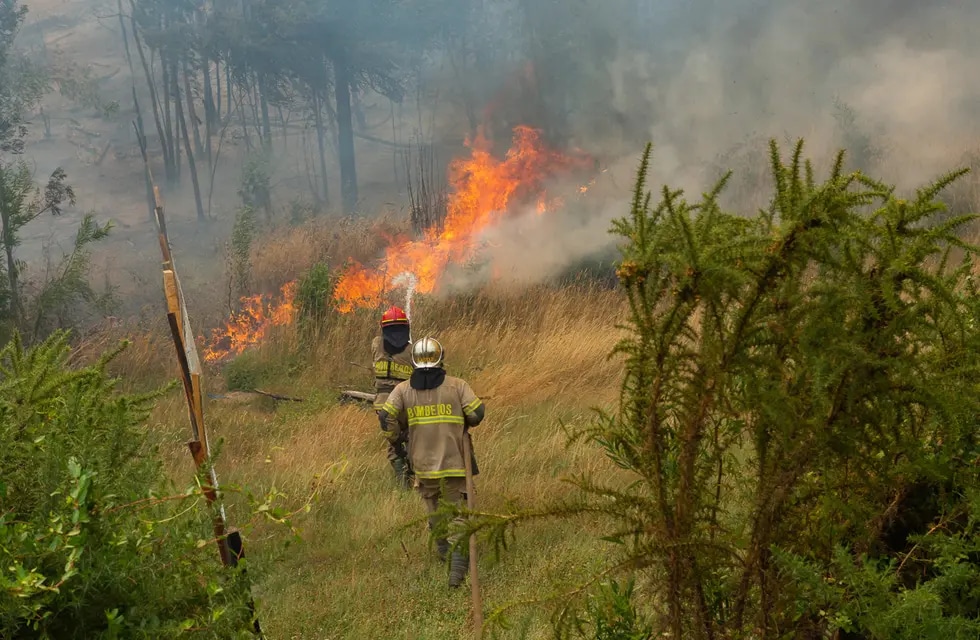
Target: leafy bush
[239,256]
[314,295]
[93,541]
[256,185]
[21,202]
[798,413]
[64,293]
[610,614]
[244,373]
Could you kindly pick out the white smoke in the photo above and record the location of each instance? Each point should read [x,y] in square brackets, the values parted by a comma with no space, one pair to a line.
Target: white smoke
[755,71]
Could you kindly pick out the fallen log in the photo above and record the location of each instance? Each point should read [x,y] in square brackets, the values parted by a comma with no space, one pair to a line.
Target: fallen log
[276,396]
[242,396]
[102,155]
[359,395]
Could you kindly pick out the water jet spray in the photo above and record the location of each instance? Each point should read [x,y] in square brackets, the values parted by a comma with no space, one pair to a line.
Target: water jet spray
[408,279]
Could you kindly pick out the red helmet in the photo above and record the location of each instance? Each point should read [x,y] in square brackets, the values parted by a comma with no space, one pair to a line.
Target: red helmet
[393,316]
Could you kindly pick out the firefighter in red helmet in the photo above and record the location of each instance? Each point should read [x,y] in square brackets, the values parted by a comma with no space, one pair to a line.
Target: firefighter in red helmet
[392,365]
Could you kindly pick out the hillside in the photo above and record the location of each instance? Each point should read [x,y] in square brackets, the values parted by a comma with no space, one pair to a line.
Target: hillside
[363,567]
[780,376]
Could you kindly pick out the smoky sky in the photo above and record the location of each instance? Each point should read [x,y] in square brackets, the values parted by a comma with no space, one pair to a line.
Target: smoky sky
[709,82]
[722,73]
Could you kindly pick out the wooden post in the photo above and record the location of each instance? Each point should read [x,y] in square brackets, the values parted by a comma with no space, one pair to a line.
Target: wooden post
[471,505]
[230,548]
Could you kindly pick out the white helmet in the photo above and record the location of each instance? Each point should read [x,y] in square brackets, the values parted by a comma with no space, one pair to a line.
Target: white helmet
[427,353]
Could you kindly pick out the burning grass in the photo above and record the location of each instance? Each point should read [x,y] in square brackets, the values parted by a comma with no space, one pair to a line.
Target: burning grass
[482,190]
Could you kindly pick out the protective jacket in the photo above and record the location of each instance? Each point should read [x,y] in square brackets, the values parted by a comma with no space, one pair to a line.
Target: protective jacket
[389,370]
[436,419]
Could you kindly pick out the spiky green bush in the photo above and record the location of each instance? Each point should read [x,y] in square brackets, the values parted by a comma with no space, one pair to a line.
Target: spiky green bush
[798,413]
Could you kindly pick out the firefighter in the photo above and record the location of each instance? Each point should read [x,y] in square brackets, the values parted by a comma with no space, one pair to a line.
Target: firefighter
[392,365]
[437,411]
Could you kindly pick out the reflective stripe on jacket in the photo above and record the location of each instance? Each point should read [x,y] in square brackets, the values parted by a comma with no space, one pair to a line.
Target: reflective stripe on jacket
[389,370]
[435,419]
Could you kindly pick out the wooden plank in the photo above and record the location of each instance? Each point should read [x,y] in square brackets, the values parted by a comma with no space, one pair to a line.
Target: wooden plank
[197,408]
[185,374]
[190,365]
[218,524]
[161,227]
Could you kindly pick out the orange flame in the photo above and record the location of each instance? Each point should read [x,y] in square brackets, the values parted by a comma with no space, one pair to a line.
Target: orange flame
[251,325]
[483,188]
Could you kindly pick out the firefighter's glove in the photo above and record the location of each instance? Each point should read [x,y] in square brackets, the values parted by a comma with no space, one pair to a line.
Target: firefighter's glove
[386,426]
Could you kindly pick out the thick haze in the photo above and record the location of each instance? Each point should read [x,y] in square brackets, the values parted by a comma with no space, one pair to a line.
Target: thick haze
[706,81]
[713,81]
[776,68]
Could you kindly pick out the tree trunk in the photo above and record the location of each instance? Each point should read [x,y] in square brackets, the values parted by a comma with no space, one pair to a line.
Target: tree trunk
[150,198]
[210,116]
[228,89]
[125,40]
[136,105]
[208,92]
[217,92]
[191,112]
[348,170]
[358,109]
[285,128]
[178,108]
[173,170]
[264,108]
[243,93]
[8,246]
[266,121]
[182,122]
[151,84]
[321,145]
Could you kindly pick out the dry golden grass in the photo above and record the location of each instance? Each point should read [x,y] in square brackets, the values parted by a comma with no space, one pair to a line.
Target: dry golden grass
[284,254]
[540,355]
[363,568]
[147,362]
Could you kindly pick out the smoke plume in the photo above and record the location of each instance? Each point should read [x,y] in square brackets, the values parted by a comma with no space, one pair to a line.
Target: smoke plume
[893,82]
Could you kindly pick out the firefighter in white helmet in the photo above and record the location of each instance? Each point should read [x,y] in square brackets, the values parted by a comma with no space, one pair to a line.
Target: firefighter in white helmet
[437,411]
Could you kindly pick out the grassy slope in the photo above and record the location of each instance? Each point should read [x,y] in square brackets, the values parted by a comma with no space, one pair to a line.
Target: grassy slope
[363,568]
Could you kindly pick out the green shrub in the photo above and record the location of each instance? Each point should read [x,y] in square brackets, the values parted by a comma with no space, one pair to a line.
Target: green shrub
[93,542]
[239,258]
[244,373]
[798,414]
[256,182]
[314,296]
[610,613]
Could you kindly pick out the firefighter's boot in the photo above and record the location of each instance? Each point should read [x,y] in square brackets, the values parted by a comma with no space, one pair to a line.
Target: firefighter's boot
[442,548]
[458,565]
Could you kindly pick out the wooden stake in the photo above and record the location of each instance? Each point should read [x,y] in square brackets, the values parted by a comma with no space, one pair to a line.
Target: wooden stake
[471,505]
[230,547]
